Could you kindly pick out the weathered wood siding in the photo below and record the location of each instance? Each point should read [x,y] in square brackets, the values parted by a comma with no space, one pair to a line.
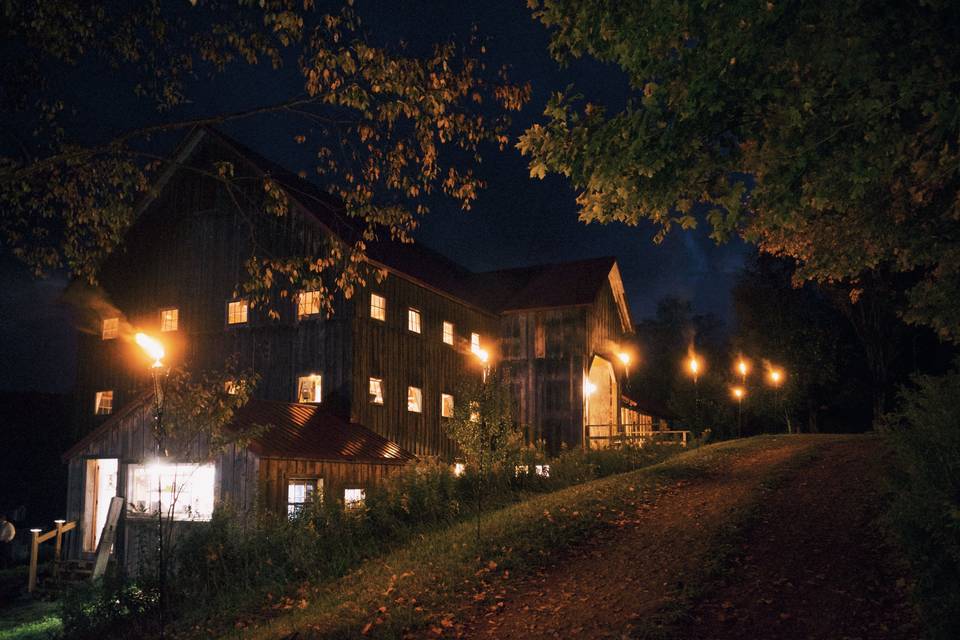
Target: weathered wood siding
[390,351]
[337,475]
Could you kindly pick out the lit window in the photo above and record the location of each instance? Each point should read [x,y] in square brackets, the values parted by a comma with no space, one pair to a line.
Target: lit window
[447,332]
[459,469]
[521,470]
[542,470]
[414,399]
[169,319]
[302,492]
[110,328]
[446,405]
[475,342]
[185,490]
[308,388]
[103,403]
[353,498]
[237,311]
[308,304]
[378,307]
[230,386]
[413,320]
[474,411]
[376,391]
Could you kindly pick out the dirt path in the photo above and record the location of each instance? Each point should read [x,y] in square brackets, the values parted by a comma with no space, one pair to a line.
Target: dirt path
[812,566]
[816,563]
[607,588]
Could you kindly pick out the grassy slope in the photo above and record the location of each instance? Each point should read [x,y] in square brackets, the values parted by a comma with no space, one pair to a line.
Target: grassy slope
[416,585]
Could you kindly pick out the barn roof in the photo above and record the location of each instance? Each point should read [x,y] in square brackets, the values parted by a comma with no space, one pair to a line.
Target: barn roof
[307,431]
[547,285]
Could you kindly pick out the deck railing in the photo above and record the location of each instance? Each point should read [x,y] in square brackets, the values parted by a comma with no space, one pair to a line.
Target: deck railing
[37,539]
[604,435]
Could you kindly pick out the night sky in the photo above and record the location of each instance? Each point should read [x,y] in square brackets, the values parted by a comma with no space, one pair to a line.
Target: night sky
[517,221]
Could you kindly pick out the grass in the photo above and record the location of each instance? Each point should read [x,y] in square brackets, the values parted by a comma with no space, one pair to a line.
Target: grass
[416,586]
[30,620]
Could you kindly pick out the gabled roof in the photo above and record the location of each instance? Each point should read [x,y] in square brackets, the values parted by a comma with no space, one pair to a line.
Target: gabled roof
[306,431]
[548,285]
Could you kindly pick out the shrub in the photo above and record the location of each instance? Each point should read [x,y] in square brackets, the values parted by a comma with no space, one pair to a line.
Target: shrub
[111,608]
[926,510]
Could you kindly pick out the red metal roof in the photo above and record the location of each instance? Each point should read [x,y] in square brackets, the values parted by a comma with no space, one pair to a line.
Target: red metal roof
[306,431]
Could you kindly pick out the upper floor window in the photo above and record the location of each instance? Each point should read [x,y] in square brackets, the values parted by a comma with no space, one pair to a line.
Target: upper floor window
[413,320]
[103,403]
[414,400]
[376,391]
[475,342]
[308,388]
[447,332]
[301,492]
[378,307]
[446,405]
[169,319]
[237,311]
[308,304]
[110,328]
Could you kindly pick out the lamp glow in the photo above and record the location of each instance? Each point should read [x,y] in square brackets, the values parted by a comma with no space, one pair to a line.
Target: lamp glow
[152,347]
[743,367]
[624,358]
[483,355]
[738,392]
[776,377]
[588,387]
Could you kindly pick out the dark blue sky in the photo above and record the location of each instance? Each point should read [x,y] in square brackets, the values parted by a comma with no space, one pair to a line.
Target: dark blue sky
[517,221]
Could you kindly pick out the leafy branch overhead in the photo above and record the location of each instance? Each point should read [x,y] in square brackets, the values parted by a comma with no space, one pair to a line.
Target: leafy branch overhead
[387,130]
[828,132]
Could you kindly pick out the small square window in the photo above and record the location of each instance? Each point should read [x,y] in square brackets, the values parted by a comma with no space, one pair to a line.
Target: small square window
[301,492]
[474,411]
[447,332]
[353,498]
[413,320]
[543,470]
[237,312]
[475,342]
[308,388]
[446,405]
[414,400]
[110,328]
[169,319]
[103,403]
[376,391]
[308,304]
[378,307]
[231,387]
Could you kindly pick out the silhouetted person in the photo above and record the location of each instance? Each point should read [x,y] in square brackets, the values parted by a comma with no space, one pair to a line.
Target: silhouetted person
[7,533]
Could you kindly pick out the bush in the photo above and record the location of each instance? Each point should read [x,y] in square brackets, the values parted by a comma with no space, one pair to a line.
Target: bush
[926,510]
[111,608]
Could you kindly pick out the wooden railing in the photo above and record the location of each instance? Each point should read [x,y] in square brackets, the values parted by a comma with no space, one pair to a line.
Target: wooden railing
[606,434]
[39,538]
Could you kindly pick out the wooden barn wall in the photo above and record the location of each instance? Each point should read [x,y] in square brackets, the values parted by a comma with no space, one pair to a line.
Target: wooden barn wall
[189,251]
[605,333]
[274,474]
[131,441]
[545,358]
[402,358]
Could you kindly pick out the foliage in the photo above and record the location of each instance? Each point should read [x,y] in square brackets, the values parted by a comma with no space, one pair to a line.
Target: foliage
[387,130]
[823,131]
[482,425]
[110,608]
[926,511]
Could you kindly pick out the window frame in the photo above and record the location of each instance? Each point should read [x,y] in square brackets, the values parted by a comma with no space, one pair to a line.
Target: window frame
[98,404]
[381,309]
[293,508]
[475,344]
[314,304]
[444,334]
[114,333]
[354,503]
[317,378]
[246,312]
[414,317]
[371,397]
[179,514]
[443,397]
[163,319]
[419,397]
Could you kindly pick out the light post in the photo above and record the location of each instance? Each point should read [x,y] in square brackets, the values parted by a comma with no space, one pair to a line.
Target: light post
[743,368]
[738,393]
[694,365]
[484,359]
[775,377]
[153,348]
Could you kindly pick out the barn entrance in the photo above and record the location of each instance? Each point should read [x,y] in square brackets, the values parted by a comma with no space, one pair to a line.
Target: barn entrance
[101,485]
[600,396]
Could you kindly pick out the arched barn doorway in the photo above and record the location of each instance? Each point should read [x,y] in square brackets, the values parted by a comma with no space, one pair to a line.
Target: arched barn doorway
[600,397]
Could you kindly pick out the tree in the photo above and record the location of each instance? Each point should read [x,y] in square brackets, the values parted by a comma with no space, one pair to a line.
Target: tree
[822,131]
[387,130]
[483,428]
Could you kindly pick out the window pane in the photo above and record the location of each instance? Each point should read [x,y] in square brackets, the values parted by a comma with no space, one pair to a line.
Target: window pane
[376,391]
[378,307]
[169,319]
[185,489]
[308,303]
[414,399]
[111,328]
[413,320]
[353,497]
[237,312]
[308,388]
[446,405]
[103,403]
[475,342]
[448,332]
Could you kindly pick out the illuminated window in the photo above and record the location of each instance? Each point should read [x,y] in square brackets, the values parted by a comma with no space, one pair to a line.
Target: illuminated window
[378,307]
[459,469]
[475,342]
[308,388]
[446,405]
[110,328]
[301,492]
[353,498]
[308,304]
[474,411]
[169,319]
[376,391]
[447,332]
[103,403]
[414,399]
[230,386]
[185,490]
[237,311]
[521,470]
[413,320]
[542,470]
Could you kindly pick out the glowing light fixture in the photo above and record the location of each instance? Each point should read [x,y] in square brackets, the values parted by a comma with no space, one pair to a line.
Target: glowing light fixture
[743,367]
[588,387]
[738,392]
[152,347]
[776,377]
[624,358]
